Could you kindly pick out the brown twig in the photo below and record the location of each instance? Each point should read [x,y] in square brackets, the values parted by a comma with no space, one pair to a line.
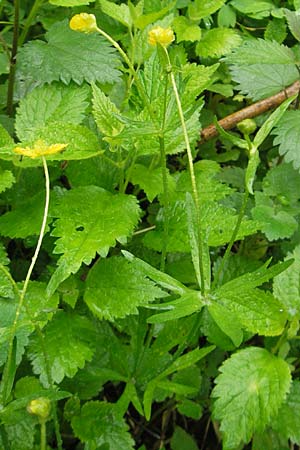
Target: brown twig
[250,111]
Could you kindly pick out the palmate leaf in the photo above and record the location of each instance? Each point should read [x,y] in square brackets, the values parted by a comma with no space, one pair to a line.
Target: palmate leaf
[68,55]
[69,343]
[90,220]
[50,103]
[115,288]
[99,425]
[287,137]
[262,68]
[249,391]
[286,285]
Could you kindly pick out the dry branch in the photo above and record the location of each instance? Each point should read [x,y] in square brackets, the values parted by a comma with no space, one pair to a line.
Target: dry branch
[250,111]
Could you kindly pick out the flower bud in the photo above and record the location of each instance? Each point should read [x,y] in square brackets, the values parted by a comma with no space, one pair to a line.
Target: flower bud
[40,407]
[247,126]
[84,22]
[162,36]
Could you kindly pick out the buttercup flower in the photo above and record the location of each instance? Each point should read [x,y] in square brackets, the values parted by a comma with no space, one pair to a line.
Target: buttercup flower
[162,36]
[40,148]
[83,22]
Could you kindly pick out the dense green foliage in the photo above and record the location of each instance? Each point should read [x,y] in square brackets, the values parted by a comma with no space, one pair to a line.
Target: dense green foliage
[156,303]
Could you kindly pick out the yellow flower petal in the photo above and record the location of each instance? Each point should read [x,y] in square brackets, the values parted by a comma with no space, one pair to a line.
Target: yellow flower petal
[162,36]
[83,22]
[40,148]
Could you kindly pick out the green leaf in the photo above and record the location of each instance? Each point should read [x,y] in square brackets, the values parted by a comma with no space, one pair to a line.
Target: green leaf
[257,9]
[100,220]
[161,278]
[252,386]
[5,138]
[150,180]
[115,288]
[286,285]
[145,19]
[250,62]
[275,222]
[181,440]
[190,409]
[287,421]
[228,323]
[218,42]
[271,122]
[104,111]
[82,142]
[276,30]
[68,55]
[257,311]
[187,304]
[25,220]
[287,137]
[7,179]
[70,3]
[186,30]
[121,13]
[50,103]
[180,363]
[69,343]
[99,425]
[293,20]
[202,8]
[256,278]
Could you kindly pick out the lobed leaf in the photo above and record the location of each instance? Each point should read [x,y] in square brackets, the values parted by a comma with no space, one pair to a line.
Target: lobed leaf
[90,220]
[69,343]
[99,424]
[68,55]
[115,288]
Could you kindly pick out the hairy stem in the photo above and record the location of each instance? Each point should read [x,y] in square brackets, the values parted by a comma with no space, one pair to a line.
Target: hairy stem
[43,435]
[191,168]
[163,163]
[8,365]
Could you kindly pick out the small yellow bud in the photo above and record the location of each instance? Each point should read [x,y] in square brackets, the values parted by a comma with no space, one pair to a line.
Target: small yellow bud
[40,148]
[40,407]
[162,36]
[83,22]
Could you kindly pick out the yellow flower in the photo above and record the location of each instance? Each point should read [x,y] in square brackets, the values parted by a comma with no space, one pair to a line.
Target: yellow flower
[83,22]
[162,36]
[40,148]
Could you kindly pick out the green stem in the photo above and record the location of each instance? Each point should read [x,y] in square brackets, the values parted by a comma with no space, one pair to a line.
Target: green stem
[191,168]
[33,12]
[43,434]
[9,362]
[163,163]
[13,57]
[132,71]
[233,238]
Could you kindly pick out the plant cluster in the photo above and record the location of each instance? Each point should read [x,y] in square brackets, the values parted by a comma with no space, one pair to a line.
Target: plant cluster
[149,282]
